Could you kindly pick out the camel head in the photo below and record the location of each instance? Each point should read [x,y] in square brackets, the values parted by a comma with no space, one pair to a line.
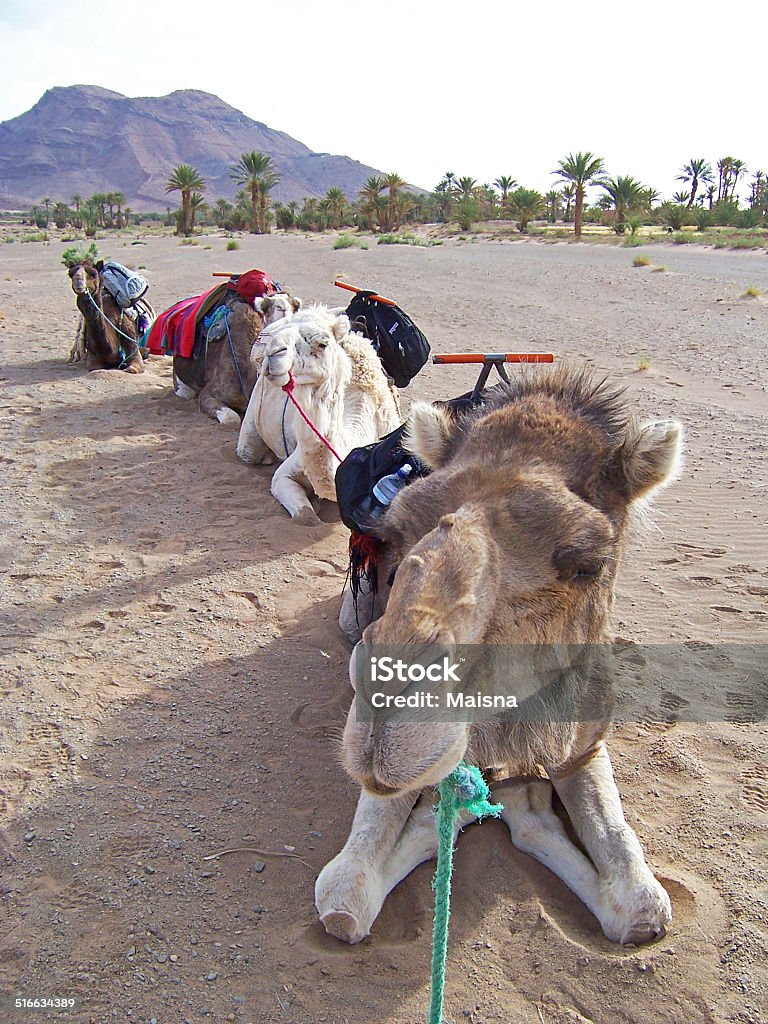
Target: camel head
[276,307]
[514,538]
[307,345]
[85,277]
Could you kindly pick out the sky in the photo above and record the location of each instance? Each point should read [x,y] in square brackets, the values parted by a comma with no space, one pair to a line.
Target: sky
[421,87]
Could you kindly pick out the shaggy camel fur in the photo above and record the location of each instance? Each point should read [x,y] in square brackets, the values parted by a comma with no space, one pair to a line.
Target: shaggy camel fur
[223,393]
[340,385]
[515,538]
[102,318]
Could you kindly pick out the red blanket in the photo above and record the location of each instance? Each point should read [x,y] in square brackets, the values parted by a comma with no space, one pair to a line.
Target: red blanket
[173,333]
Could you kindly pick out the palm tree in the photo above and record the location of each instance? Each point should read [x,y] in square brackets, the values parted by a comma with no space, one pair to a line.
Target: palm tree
[76,201]
[185,179]
[266,183]
[505,184]
[467,187]
[625,194]
[738,168]
[724,171]
[369,196]
[118,198]
[337,206]
[681,199]
[580,170]
[196,203]
[552,202]
[697,170]
[525,205]
[394,183]
[568,193]
[255,172]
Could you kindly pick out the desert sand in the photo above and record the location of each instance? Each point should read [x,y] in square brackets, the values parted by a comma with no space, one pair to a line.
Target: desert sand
[174,682]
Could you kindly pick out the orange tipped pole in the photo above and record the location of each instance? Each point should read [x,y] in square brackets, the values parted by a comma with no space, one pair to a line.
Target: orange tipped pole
[375,298]
[495,357]
[218,274]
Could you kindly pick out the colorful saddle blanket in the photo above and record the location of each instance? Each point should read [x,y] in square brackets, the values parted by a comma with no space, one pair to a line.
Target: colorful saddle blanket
[173,333]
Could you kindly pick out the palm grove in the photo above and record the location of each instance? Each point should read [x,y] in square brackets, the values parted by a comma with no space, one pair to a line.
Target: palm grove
[707,197]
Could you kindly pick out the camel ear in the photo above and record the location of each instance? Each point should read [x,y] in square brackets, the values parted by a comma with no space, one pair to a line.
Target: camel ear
[427,433]
[100,266]
[296,303]
[340,327]
[651,457]
[259,303]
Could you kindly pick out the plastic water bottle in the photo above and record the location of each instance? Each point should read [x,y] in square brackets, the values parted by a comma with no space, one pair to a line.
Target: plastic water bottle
[385,490]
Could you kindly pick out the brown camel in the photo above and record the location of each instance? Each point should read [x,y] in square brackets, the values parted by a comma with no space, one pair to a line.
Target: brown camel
[514,539]
[223,379]
[109,336]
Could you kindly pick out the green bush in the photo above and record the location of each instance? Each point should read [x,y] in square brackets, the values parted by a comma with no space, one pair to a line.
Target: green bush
[344,242]
[232,244]
[72,256]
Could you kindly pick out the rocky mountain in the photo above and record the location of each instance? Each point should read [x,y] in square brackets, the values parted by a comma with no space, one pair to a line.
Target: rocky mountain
[84,139]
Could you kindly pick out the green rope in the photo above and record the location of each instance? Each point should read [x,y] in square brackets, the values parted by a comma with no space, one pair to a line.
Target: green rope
[464,789]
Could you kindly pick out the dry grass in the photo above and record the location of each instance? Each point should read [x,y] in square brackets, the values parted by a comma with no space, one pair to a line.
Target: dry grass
[641,261]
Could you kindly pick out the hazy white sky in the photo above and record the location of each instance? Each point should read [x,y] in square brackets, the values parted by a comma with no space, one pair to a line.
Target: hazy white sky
[424,87]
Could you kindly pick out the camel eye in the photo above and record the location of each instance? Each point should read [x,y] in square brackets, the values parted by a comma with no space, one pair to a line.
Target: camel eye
[589,572]
[579,567]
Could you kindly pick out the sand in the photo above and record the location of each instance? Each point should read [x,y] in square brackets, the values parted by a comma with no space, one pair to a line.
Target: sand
[175,684]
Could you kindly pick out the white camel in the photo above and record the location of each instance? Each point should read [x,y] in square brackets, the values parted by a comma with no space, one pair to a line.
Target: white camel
[340,385]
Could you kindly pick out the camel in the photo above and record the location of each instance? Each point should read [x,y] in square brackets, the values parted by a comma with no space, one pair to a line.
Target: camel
[340,385]
[109,337]
[514,538]
[223,382]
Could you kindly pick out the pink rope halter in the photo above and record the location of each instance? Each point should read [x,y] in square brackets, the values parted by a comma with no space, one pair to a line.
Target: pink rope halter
[288,389]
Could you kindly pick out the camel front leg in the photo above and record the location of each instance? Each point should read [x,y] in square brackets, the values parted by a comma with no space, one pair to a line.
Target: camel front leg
[536,830]
[251,447]
[389,839]
[633,908]
[77,352]
[288,487]
[351,889]
[213,406]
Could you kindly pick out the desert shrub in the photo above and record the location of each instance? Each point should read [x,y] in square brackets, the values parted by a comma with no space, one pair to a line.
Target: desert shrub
[344,242]
[467,212]
[641,261]
[751,293]
[725,213]
[673,214]
[74,255]
[232,244]
[702,219]
[747,219]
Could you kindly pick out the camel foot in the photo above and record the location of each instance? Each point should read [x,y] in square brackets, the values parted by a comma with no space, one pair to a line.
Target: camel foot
[306,516]
[182,390]
[638,915]
[643,933]
[227,417]
[344,926]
